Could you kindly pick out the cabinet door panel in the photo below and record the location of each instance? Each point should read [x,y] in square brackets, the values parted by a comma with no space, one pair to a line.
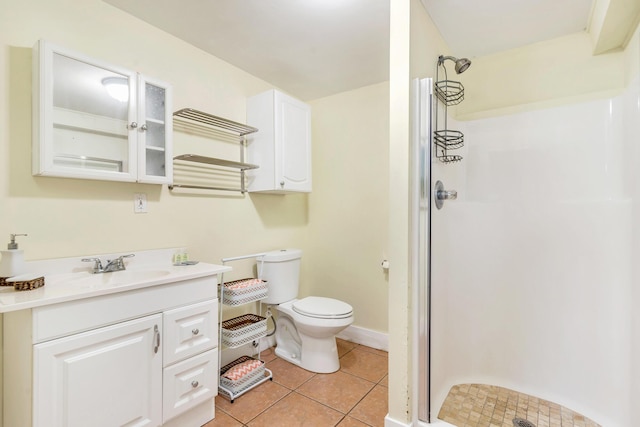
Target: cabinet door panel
[190,383]
[282,146]
[295,125]
[83,109]
[190,330]
[106,377]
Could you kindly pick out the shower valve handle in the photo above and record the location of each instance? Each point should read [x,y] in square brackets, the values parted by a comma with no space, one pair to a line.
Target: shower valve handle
[442,195]
[447,195]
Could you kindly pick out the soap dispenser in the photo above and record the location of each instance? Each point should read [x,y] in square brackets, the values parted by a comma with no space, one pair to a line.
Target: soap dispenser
[12,261]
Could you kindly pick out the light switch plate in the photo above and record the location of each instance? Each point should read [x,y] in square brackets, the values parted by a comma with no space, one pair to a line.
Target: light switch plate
[140,203]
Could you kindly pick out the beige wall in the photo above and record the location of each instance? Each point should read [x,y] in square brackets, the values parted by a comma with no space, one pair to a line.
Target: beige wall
[66,217]
[539,75]
[341,226]
[348,208]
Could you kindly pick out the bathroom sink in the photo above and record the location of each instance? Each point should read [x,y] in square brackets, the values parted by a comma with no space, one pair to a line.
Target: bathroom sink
[116,278]
[134,276]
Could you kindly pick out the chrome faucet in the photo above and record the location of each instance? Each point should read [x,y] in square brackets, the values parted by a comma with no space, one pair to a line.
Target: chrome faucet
[112,265]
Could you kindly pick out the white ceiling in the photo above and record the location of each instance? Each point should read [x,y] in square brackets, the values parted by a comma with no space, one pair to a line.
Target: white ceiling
[476,28]
[316,48]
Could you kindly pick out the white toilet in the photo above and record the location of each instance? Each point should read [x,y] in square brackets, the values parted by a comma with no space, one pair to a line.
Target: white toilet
[306,328]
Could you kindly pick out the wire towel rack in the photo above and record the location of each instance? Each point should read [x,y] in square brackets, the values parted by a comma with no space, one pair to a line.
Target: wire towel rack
[215,127]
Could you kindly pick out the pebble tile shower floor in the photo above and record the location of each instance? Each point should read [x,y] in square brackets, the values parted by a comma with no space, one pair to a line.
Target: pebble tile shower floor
[354,396]
[480,405]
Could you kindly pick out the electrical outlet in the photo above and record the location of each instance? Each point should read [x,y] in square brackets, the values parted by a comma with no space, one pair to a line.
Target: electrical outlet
[140,203]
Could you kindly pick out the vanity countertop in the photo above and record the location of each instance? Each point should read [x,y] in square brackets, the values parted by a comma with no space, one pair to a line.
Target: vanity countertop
[79,283]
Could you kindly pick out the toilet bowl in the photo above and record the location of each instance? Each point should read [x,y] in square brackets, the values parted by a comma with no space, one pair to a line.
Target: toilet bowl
[307,336]
[305,328]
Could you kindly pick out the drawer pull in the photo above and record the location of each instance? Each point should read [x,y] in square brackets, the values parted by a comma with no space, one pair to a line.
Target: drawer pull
[195,331]
[194,384]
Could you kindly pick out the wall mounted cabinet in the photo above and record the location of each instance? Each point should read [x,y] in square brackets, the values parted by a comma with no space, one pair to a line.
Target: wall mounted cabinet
[282,146]
[93,120]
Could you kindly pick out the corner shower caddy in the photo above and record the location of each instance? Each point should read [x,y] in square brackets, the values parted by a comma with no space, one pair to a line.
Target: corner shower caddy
[212,126]
[242,330]
[449,92]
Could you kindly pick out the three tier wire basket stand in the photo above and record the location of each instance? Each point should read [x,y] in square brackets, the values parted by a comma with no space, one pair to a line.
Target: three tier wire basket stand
[245,372]
[448,92]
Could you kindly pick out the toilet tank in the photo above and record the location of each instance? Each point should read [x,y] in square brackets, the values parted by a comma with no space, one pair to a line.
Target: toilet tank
[281,270]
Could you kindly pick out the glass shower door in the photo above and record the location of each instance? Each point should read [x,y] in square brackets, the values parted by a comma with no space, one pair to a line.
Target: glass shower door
[421,239]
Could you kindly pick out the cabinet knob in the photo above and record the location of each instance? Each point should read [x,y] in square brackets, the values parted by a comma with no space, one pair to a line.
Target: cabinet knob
[282,183]
[195,331]
[143,127]
[194,384]
[133,125]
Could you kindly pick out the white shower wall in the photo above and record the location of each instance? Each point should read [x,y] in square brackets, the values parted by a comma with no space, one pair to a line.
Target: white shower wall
[532,266]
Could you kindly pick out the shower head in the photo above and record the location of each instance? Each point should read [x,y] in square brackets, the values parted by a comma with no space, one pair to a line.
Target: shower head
[461,64]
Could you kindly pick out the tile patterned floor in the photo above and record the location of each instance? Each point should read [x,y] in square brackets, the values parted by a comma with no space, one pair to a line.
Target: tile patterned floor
[480,405]
[354,396]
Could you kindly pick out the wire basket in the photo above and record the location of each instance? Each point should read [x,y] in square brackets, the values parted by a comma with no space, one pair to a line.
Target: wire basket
[448,139]
[449,158]
[449,92]
[243,291]
[243,329]
[236,385]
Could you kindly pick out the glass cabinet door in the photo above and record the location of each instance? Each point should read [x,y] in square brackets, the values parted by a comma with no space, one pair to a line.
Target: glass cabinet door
[155,162]
[84,117]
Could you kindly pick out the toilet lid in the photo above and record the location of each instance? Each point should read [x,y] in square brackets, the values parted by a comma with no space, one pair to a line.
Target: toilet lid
[323,308]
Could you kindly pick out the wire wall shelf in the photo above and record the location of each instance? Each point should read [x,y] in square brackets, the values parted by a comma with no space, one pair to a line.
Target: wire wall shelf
[216,128]
[448,139]
[449,92]
[449,158]
[201,117]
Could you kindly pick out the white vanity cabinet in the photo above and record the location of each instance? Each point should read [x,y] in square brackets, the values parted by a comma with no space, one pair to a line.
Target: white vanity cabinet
[145,357]
[105,377]
[282,146]
[93,120]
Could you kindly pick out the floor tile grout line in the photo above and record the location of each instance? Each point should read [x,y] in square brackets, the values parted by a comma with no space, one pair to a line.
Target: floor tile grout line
[332,408]
[295,389]
[344,415]
[289,391]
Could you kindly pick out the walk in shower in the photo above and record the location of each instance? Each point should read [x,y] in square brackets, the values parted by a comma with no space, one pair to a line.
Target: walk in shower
[526,280]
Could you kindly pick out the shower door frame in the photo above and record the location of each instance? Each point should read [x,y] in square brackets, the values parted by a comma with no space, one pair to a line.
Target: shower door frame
[420,241]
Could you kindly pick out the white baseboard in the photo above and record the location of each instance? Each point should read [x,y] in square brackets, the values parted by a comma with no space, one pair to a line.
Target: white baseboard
[390,422]
[356,334]
[373,339]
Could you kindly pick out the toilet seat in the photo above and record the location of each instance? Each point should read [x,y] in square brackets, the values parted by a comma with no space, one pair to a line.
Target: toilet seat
[323,308]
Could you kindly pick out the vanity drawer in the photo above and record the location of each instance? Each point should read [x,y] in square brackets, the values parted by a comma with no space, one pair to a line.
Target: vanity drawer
[189,330]
[189,383]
